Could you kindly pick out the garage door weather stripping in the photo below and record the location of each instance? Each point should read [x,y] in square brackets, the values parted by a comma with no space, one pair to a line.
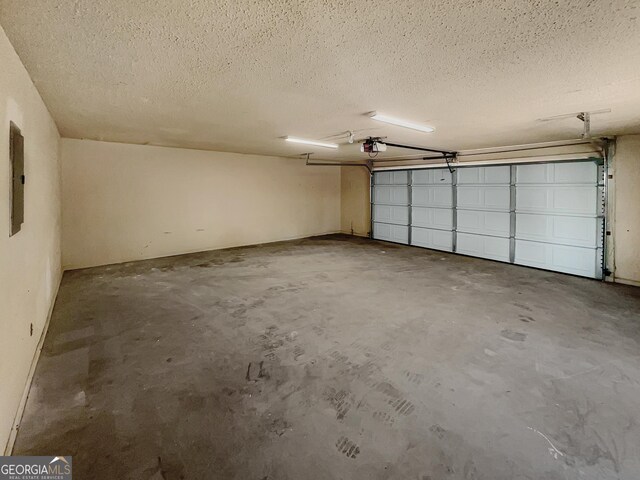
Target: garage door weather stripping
[543,215]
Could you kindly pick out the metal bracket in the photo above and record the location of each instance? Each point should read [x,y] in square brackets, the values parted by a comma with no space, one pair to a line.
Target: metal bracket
[586,118]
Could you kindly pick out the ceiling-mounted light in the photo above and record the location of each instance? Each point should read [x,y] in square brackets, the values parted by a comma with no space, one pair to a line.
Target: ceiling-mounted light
[311,142]
[401,123]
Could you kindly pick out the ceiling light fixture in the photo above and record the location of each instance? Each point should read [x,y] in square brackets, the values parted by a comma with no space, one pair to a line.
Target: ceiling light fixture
[401,123]
[311,142]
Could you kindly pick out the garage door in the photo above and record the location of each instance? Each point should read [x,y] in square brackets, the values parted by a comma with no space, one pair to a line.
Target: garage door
[390,206]
[545,215]
[559,211]
[483,212]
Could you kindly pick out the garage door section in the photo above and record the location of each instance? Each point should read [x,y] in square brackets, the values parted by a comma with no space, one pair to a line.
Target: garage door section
[390,209]
[559,211]
[432,209]
[483,212]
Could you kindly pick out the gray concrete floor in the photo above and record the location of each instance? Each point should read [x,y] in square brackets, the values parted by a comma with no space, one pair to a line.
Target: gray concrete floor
[338,358]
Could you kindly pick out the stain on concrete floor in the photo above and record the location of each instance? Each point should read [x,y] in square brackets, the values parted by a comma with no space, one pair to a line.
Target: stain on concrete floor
[338,358]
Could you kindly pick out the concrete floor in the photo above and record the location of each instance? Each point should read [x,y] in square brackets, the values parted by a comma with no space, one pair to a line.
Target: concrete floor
[338,358]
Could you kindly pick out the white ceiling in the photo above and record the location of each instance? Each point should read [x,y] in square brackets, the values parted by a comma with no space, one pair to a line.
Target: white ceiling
[237,75]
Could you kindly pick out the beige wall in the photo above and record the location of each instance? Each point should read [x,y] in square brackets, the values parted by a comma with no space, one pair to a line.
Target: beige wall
[626,227]
[30,260]
[355,211]
[126,202]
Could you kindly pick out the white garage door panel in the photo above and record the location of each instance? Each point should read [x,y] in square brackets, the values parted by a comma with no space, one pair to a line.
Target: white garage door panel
[558,200]
[432,196]
[397,214]
[440,218]
[429,238]
[561,258]
[391,233]
[579,172]
[484,175]
[576,231]
[483,198]
[556,217]
[391,178]
[484,223]
[566,173]
[438,176]
[391,195]
[495,248]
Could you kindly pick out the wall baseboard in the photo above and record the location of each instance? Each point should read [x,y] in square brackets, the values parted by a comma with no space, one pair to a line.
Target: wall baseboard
[32,370]
[625,281]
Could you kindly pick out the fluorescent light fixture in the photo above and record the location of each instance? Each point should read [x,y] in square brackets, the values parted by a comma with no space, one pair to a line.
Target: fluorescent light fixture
[401,123]
[311,142]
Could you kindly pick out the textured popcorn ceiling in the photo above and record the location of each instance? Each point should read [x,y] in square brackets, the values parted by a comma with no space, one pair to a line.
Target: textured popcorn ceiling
[238,75]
